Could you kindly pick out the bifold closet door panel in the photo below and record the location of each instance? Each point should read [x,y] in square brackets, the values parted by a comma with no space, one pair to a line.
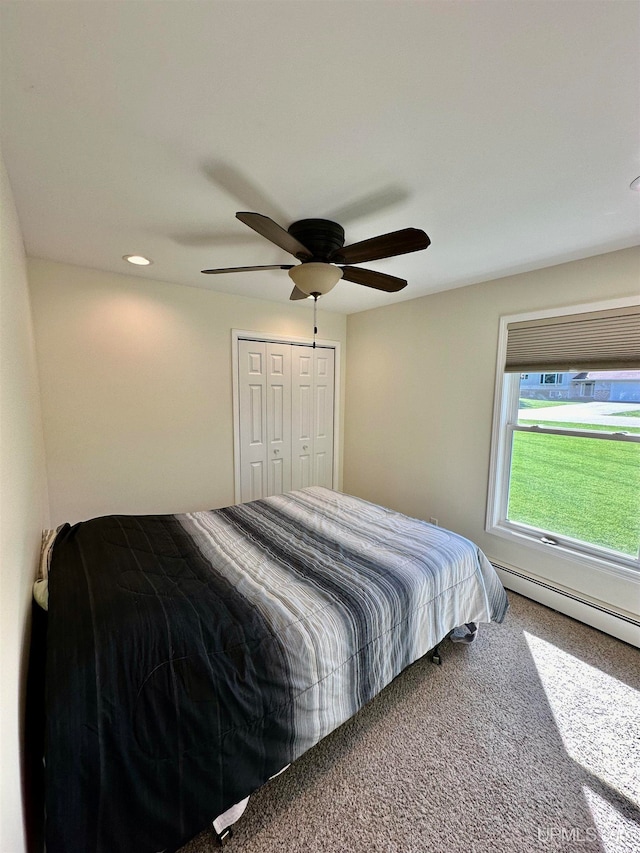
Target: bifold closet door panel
[252,357]
[312,384]
[302,417]
[323,397]
[278,418]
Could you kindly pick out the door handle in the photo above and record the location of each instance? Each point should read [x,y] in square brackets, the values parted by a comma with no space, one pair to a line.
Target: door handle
[305,446]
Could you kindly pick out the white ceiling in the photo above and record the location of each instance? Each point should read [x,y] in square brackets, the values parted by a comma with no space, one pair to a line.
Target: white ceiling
[508,131]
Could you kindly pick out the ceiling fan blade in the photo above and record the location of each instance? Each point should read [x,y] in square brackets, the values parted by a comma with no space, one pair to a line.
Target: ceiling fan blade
[385,246]
[272,231]
[249,269]
[296,293]
[371,278]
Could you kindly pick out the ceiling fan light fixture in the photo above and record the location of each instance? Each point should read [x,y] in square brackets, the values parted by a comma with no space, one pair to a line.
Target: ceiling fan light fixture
[315,278]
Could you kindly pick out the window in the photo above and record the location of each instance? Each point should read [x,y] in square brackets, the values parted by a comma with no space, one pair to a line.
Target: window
[566,472]
[550,378]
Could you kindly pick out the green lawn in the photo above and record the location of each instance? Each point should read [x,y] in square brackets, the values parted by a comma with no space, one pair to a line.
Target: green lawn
[634,414]
[585,488]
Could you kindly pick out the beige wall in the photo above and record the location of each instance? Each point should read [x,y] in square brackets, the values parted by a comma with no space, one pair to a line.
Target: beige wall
[23,507]
[420,390]
[136,387]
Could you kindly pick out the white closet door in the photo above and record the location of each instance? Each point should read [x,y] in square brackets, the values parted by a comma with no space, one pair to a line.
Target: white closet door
[252,371]
[278,418]
[286,412]
[323,396]
[301,417]
[312,393]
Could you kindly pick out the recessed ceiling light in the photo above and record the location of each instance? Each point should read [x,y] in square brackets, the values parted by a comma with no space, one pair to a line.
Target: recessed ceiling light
[139,260]
[635,185]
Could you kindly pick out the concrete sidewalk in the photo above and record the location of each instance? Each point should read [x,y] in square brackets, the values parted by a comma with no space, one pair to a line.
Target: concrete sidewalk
[600,413]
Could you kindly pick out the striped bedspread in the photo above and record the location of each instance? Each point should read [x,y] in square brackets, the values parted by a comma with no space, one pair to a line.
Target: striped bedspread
[191,657]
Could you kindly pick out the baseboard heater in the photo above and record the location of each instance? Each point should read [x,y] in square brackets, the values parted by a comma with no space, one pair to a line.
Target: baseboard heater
[570,595]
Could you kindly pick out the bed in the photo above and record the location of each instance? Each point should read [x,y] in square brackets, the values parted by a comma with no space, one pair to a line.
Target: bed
[192,657]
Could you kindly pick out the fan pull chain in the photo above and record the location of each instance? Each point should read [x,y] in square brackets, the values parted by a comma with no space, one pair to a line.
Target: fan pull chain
[315,318]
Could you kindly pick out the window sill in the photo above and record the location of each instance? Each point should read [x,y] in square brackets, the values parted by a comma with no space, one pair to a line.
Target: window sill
[628,569]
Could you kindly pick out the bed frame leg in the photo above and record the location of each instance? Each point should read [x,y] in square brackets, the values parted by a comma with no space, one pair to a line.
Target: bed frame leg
[222,837]
[435,655]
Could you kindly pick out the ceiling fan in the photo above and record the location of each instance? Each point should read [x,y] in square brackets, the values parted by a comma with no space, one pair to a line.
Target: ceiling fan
[324,259]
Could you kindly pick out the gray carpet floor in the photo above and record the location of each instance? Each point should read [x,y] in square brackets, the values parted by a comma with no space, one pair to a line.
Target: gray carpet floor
[529,739]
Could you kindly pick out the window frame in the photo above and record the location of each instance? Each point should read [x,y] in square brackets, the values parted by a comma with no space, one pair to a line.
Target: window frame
[551,378]
[506,396]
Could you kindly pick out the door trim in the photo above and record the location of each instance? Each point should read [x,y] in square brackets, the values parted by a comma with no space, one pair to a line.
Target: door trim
[267,337]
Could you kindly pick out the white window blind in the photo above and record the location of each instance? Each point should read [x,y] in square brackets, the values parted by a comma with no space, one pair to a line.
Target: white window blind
[597,340]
